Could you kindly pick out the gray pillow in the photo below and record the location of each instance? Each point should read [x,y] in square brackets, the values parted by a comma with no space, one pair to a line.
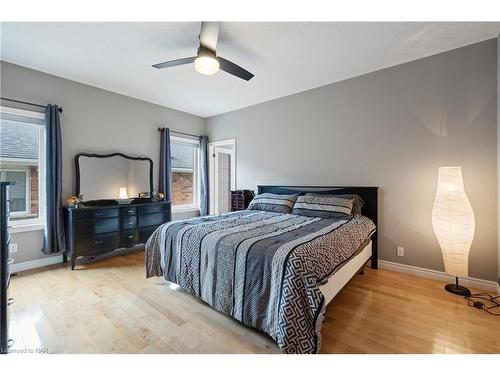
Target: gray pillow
[357,207]
[281,203]
[324,206]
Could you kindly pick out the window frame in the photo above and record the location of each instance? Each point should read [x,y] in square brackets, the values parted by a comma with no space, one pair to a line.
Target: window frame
[32,224]
[195,206]
[27,196]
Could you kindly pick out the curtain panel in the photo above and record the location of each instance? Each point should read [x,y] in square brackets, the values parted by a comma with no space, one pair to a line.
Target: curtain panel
[54,236]
[165,177]
[204,190]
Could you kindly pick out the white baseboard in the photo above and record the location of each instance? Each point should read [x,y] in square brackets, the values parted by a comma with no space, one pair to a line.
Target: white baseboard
[471,282]
[18,267]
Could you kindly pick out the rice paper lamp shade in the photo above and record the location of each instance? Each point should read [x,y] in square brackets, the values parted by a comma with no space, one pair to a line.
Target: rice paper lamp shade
[453,221]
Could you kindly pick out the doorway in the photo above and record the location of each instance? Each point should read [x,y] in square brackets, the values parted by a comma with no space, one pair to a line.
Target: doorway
[222,171]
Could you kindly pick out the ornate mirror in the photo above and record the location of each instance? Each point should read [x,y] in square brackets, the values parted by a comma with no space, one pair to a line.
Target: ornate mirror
[113,176]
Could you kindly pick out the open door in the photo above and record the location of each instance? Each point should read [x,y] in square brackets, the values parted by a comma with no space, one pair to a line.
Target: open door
[222,172]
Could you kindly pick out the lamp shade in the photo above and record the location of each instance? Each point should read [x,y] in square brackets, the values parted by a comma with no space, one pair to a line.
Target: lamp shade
[123,193]
[453,221]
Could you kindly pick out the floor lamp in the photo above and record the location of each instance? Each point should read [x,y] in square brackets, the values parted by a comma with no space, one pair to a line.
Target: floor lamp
[453,223]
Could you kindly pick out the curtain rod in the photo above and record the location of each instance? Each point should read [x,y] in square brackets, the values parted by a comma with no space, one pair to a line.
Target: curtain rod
[176,132]
[28,103]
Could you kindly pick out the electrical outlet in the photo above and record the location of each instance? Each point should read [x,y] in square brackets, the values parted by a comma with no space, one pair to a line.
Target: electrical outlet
[13,248]
[401,251]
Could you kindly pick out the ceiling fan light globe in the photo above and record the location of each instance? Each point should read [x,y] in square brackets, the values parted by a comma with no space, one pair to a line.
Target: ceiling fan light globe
[206,65]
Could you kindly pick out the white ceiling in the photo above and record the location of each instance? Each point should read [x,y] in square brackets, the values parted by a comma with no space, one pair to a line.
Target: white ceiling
[285,57]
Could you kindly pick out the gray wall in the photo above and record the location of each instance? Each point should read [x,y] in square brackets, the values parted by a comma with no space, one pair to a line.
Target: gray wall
[392,128]
[498,157]
[93,120]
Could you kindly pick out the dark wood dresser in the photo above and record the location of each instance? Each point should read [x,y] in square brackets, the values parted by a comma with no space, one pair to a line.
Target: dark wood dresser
[5,261]
[96,230]
[240,199]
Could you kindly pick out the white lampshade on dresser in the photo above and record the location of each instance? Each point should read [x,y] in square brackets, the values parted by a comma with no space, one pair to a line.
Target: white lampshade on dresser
[454,225]
[123,193]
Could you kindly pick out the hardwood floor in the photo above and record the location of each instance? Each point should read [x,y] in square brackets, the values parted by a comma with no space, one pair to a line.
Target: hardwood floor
[109,307]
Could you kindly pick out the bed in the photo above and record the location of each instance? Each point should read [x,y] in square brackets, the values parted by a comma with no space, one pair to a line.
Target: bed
[272,271]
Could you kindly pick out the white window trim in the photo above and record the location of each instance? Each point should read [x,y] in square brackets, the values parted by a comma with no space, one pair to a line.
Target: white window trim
[184,208]
[28,225]
[195,207]
[212,173]
[185,140]
[22,112]
[183,170]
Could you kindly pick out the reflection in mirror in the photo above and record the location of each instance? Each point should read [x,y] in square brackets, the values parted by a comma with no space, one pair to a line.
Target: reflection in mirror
[113,177]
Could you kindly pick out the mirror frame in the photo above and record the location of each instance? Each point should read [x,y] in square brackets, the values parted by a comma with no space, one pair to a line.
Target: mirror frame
[93,155]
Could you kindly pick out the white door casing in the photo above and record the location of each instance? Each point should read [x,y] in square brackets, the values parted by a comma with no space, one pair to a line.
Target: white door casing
[215,149]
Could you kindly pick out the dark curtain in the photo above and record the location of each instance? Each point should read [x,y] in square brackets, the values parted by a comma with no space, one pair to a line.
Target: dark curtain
[204,196]
[165,181]
[54,238]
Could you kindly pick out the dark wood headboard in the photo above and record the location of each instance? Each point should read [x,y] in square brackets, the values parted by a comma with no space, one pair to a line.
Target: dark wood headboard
[368,193]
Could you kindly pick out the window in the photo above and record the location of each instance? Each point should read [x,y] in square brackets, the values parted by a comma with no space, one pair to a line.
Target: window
[22,139]
[185,174]
[19,194]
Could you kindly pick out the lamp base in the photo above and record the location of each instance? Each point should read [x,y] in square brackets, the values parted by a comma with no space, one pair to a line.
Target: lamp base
[457,289]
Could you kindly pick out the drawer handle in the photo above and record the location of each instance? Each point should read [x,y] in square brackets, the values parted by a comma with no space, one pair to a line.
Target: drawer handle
[10,261]
[130,222]
[98,242]
[131,236]
[11,301]
[130,211]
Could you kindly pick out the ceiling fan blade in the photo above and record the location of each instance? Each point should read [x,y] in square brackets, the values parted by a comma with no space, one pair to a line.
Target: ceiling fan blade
[209,34]
[234,69]
[168,64]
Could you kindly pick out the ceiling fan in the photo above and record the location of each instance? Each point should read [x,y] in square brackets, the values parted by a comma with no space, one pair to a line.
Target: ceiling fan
[206,61]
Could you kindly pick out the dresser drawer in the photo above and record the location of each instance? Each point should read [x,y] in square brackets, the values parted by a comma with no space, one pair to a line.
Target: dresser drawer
[96,214]
[129,236]
[92,245]
[153,208]
[128,222]
[93,227]
[127,211]
[153,219]
[146,232]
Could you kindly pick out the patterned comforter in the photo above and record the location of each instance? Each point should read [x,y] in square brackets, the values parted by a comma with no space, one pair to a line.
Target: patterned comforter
[262,268]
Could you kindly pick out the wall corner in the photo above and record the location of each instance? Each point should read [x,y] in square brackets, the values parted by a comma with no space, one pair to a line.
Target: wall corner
[498,159]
